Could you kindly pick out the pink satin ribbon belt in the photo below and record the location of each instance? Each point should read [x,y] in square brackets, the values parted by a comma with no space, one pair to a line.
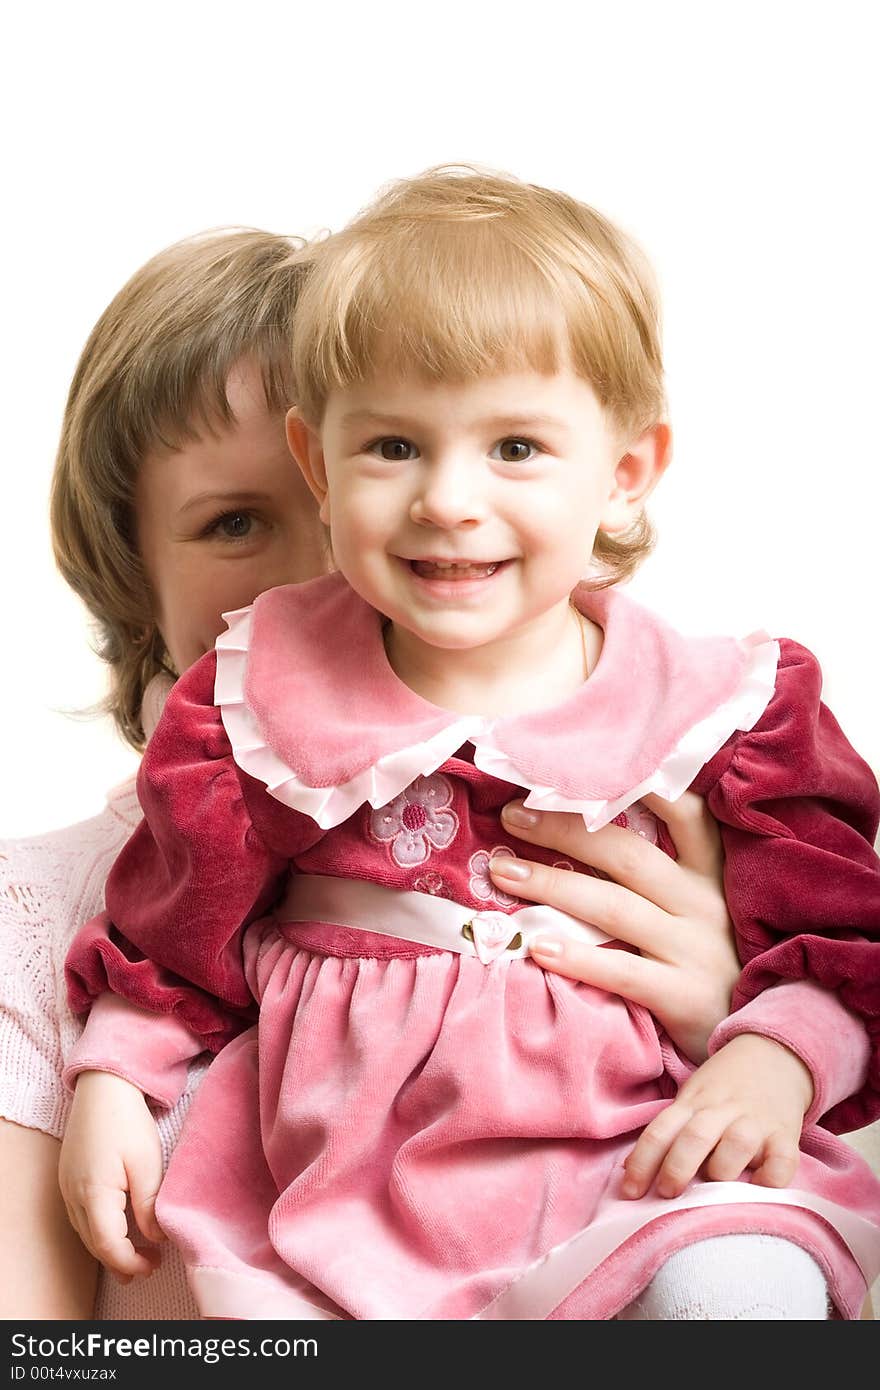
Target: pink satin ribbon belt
[430,921]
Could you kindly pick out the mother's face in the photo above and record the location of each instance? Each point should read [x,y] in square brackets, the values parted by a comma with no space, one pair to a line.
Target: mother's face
[222,519]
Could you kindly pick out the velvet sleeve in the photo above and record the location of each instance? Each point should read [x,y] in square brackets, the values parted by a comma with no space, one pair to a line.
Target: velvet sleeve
[798,812]
[191,877]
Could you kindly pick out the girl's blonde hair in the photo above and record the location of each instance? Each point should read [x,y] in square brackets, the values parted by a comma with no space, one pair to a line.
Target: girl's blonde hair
[153,374]
[461,272]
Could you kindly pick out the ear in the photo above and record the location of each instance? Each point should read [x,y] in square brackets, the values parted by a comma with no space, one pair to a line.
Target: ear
[304,443]
[638,471]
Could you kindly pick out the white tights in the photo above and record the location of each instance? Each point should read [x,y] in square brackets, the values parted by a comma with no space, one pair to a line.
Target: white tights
[734,1278]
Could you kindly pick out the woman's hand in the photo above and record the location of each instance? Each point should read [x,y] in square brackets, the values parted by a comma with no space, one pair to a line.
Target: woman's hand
[672,911]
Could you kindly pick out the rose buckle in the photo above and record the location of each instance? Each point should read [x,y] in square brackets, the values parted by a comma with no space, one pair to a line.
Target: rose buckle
[489,932]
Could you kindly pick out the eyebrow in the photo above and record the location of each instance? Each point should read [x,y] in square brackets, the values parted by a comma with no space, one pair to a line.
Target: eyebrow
[234,497]
[513,422]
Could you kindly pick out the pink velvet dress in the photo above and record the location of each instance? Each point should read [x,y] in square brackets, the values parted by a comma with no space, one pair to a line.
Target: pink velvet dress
[423,1124]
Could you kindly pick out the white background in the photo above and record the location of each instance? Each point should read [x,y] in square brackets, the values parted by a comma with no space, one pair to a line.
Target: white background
[738,142]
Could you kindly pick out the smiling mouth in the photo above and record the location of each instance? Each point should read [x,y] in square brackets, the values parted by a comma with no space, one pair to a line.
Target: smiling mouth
[455,569]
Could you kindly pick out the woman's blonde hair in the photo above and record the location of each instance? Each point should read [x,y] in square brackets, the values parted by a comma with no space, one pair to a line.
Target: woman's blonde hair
[153,374]
[461,272]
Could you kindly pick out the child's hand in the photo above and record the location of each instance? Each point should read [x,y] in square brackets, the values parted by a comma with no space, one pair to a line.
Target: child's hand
[743,1108]
[111,1148]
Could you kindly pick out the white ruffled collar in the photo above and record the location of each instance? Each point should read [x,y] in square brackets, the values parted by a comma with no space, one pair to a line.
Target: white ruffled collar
[314,710]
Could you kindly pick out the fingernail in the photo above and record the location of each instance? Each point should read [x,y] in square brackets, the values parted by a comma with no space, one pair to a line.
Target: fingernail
[630,1188]
[502,867]
[516,814]
[546,946]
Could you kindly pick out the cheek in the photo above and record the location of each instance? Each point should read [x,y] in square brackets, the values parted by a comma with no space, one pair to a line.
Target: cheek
[232,586]
[559,531]
[574,510]
[547,517]
[362,525]
[369,506]
[235,582]
[190,622]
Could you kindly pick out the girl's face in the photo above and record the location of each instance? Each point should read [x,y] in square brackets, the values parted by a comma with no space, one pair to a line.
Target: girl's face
[222,519]
[467,512]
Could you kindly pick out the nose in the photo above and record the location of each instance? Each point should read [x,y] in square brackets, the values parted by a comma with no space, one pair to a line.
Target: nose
[450,495]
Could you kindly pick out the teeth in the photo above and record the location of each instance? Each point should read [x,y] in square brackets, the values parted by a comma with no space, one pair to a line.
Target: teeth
[465,568]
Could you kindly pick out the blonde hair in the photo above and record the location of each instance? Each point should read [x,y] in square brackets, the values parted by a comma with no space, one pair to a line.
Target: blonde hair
[153,374]
[461,272]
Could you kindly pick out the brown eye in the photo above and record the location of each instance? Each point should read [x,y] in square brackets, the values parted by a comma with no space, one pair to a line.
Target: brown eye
[515,450]
[396,450]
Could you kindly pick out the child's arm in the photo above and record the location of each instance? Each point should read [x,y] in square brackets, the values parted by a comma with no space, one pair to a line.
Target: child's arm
[193,875]
[162,968]
[111,1151]
[798,812]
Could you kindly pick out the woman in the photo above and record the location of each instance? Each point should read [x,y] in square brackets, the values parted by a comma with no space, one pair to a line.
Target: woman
[174,500]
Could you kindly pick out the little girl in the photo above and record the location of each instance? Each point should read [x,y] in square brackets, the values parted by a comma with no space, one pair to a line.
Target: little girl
[425,1124]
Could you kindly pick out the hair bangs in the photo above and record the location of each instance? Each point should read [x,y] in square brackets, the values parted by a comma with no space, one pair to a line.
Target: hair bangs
[457,298]
[172,402]
[450,307]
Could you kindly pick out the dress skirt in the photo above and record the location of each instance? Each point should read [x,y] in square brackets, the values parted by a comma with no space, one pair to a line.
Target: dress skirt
[411,1134]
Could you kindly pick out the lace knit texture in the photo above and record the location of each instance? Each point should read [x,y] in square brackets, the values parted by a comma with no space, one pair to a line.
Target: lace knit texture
[49,886]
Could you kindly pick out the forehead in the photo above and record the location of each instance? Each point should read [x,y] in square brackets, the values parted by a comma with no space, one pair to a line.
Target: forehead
[561,397]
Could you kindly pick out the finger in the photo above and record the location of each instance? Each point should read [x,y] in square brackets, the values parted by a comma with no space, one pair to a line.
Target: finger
[779,1162]
[630,860]
[108,1234]
[735,1149]
[636,978]
[689,1150]
[144,1178]
[615,910]
[693,831]
[77,1218]
[643,1162]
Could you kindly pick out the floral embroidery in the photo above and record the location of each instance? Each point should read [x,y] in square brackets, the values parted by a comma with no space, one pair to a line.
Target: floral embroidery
[417,821]
[481,884]
[431,883]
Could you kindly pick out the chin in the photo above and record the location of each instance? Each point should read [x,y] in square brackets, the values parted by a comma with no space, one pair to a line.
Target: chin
[455,641]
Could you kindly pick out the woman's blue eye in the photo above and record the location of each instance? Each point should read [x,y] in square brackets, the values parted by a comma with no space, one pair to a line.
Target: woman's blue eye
[235,526]
[395,450]
[514,450]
